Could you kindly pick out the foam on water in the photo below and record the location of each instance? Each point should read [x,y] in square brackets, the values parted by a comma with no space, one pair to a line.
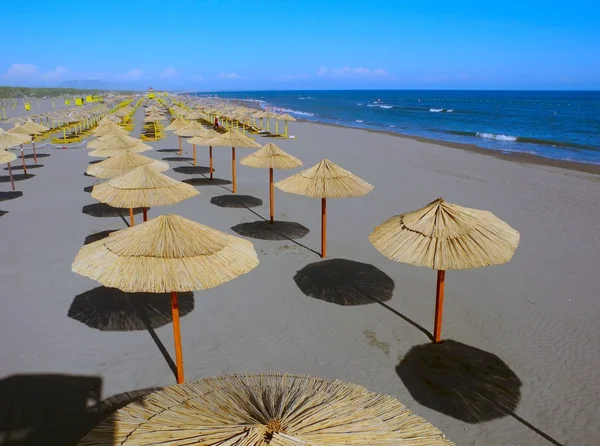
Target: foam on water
[496,137]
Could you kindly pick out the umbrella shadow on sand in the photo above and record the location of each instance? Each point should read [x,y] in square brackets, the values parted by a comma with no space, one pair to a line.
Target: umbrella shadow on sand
[38,155]
[3,213]
[236,201]
[102,210]
[168,150]
[29,166]
[16,177]
[95,162]
[98,236]
[178,158]
[109,309]
[463,382]
[349,283]
[193,170]
[11,195]
[207,182]
[266,230]
[54,409]
[89,189]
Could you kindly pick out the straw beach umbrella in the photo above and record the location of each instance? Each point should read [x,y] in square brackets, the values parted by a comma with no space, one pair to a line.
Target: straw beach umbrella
[325,180]
[193,128]
[445,236]
[107,127]
[271,157]
[261,410]
[123,163]
[7,141]
[118,144]
[176,124]
[142,187]
[286,118]
[28,135]
[166,254]
[205,140]
[233,139]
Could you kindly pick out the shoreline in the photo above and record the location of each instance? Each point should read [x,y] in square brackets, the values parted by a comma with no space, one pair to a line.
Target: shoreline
[515,157]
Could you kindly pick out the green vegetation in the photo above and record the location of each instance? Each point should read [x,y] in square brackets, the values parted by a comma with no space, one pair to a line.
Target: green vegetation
[27,92]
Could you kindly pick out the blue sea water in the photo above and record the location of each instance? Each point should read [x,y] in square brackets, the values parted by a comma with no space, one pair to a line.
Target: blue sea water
[563,125]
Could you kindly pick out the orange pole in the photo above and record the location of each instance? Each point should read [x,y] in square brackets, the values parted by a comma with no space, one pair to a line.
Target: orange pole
[12,180]
[323,227]
[34,154]
[177,337]
[234,188]
[271,195]
[180,149]
[211,161]
[23,159]
[131,219]
[194,146]
[439,306]
[145,211]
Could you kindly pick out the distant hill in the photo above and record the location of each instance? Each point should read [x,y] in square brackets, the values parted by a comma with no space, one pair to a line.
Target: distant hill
[39,92]
[91,84]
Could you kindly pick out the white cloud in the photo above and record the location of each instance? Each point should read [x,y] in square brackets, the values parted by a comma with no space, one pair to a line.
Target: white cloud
[291,77]
[230,76]
[355,73]
[197,77]
[135,74]
[31,73]
[169,73]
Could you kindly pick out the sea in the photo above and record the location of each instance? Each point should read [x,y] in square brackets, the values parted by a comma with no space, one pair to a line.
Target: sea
[561,125]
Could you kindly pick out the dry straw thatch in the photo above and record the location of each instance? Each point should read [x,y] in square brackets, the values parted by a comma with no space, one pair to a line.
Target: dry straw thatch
[167,253]
[204,139]
[18,129]
[261,410]
[8,140]
[177,124]
[233,138]
[271,156]
[33,126]
[6,157]
[446,236]
[123,163]
[325,180]
[118,144]
[143,187]
[193,128]
[108,127]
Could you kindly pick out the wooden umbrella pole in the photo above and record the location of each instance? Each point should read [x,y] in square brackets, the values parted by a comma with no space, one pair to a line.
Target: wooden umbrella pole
[23,159]
[439,306]
[211,161]
[145,212]
[177,337]
[271,196]
[180,149]
[323,227]
[194,148]
[34,154]
[12,180]
[131,219]
[234,188]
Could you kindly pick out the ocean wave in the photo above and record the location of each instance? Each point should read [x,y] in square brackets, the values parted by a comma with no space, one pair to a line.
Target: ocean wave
[386,106]
[436,110]
[359,120]
[294,112]
[496,137]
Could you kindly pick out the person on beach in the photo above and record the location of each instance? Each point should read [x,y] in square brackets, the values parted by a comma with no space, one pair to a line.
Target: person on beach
[216,122]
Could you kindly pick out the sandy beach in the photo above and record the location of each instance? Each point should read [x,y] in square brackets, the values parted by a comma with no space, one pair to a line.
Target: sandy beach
[538,314]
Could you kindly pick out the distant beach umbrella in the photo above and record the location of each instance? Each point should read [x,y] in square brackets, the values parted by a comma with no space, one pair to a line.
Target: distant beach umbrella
[6,158]
[166,254]
[445,236]
[123,163]
[261,410]
[38,128]
[271,157]
[204,140]
[286,118]
[142,187]
[108,127]
[101,139]
[325,180]
[233,139]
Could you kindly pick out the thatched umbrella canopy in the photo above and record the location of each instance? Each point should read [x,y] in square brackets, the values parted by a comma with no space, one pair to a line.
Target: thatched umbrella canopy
[108,127]
[192,128]
[271,157]
[6,158]
[166,254]
[233,139]
[258,410]
[30,125]
[446,236]
[118,144]
[123,163]
[325,180]
[101,139]
[205,140]
[142,187]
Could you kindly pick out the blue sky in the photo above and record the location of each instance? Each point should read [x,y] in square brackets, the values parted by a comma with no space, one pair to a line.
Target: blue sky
[304,44]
